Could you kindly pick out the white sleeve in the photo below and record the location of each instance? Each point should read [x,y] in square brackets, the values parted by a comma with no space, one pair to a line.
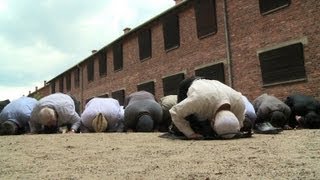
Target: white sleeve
[178,114]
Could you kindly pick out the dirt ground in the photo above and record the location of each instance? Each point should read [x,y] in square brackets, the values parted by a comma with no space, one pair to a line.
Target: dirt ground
[290,155]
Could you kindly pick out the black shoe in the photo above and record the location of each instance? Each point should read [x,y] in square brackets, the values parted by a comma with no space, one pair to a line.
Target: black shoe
[266,128]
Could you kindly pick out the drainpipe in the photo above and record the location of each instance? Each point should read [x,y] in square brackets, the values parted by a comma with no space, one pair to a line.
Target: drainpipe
[228,48]
[81,87]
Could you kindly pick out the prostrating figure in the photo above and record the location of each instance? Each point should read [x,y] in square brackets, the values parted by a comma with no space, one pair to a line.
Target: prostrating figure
[14,118]
[54,111]
[272,114]
[305,111]
[208,106]
[102,115]
[142,112]
[166,102]
[4,103]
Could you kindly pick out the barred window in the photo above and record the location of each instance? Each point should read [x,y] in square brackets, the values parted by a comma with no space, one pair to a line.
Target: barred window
[206,19]
[117,56]
[214,72]
[268,6]
[61,82]
[90,69]
[77,77]
[171,32]
[119,95]
[53,87]
[144,39]
[171,84]
[104,95]
[149,87]
[283,64]
[103,63]
[68,81]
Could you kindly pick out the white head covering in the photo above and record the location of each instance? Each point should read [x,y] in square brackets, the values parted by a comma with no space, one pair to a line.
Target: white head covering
[46,115]
[99,123]
[226,124]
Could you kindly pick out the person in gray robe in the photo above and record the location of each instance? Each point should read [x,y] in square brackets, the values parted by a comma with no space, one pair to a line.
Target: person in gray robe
[272,114]
[142,112]
[54,111]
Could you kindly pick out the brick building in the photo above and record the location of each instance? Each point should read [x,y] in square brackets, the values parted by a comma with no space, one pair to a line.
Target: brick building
[255,46]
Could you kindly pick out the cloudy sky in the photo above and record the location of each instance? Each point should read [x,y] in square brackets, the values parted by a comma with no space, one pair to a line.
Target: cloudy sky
[39,39]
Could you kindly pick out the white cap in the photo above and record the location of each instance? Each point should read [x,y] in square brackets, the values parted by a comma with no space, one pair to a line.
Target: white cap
[226,124]
[99,123]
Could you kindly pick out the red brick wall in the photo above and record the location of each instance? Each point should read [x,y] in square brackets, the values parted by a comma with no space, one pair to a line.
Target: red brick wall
[191,53]
[251,31]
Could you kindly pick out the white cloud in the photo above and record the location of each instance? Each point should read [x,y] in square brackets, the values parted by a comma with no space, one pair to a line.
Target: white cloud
[3,5]
[40,41]
[39,56]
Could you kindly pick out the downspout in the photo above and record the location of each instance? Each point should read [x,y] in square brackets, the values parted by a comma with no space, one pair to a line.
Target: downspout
[81,87]
[228,46]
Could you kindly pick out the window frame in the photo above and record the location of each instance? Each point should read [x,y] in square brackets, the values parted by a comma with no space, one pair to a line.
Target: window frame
[145,87]
[217,72]
[53,87]
[171,43]
[204,9]
[168,88]
[90,70]
[68,81]
[145,44]
[61,84]
[293,72]
[76,77]
[116,94]
[117,49]
[271,10]
[102,63]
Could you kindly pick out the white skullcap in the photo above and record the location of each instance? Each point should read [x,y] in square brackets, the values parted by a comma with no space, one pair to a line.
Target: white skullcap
[46,115]
[226,124]
[99,123]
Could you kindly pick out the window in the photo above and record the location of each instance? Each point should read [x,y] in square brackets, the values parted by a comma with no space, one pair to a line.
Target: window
[144,39]
[268,6]
[205,11]
[117,56]
[283,64]
[103,63]
[171,84]
[53,87]
[77,77]
[104,96]
[118,95]
[68,81]
[87,100]
[61,84]
[215,72]
[149,87]
[90,69]
[171,32]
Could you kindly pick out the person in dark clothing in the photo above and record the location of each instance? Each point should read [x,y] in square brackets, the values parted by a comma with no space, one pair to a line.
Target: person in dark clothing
[305,111]
[3,104]
[142,112]
[272,114]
